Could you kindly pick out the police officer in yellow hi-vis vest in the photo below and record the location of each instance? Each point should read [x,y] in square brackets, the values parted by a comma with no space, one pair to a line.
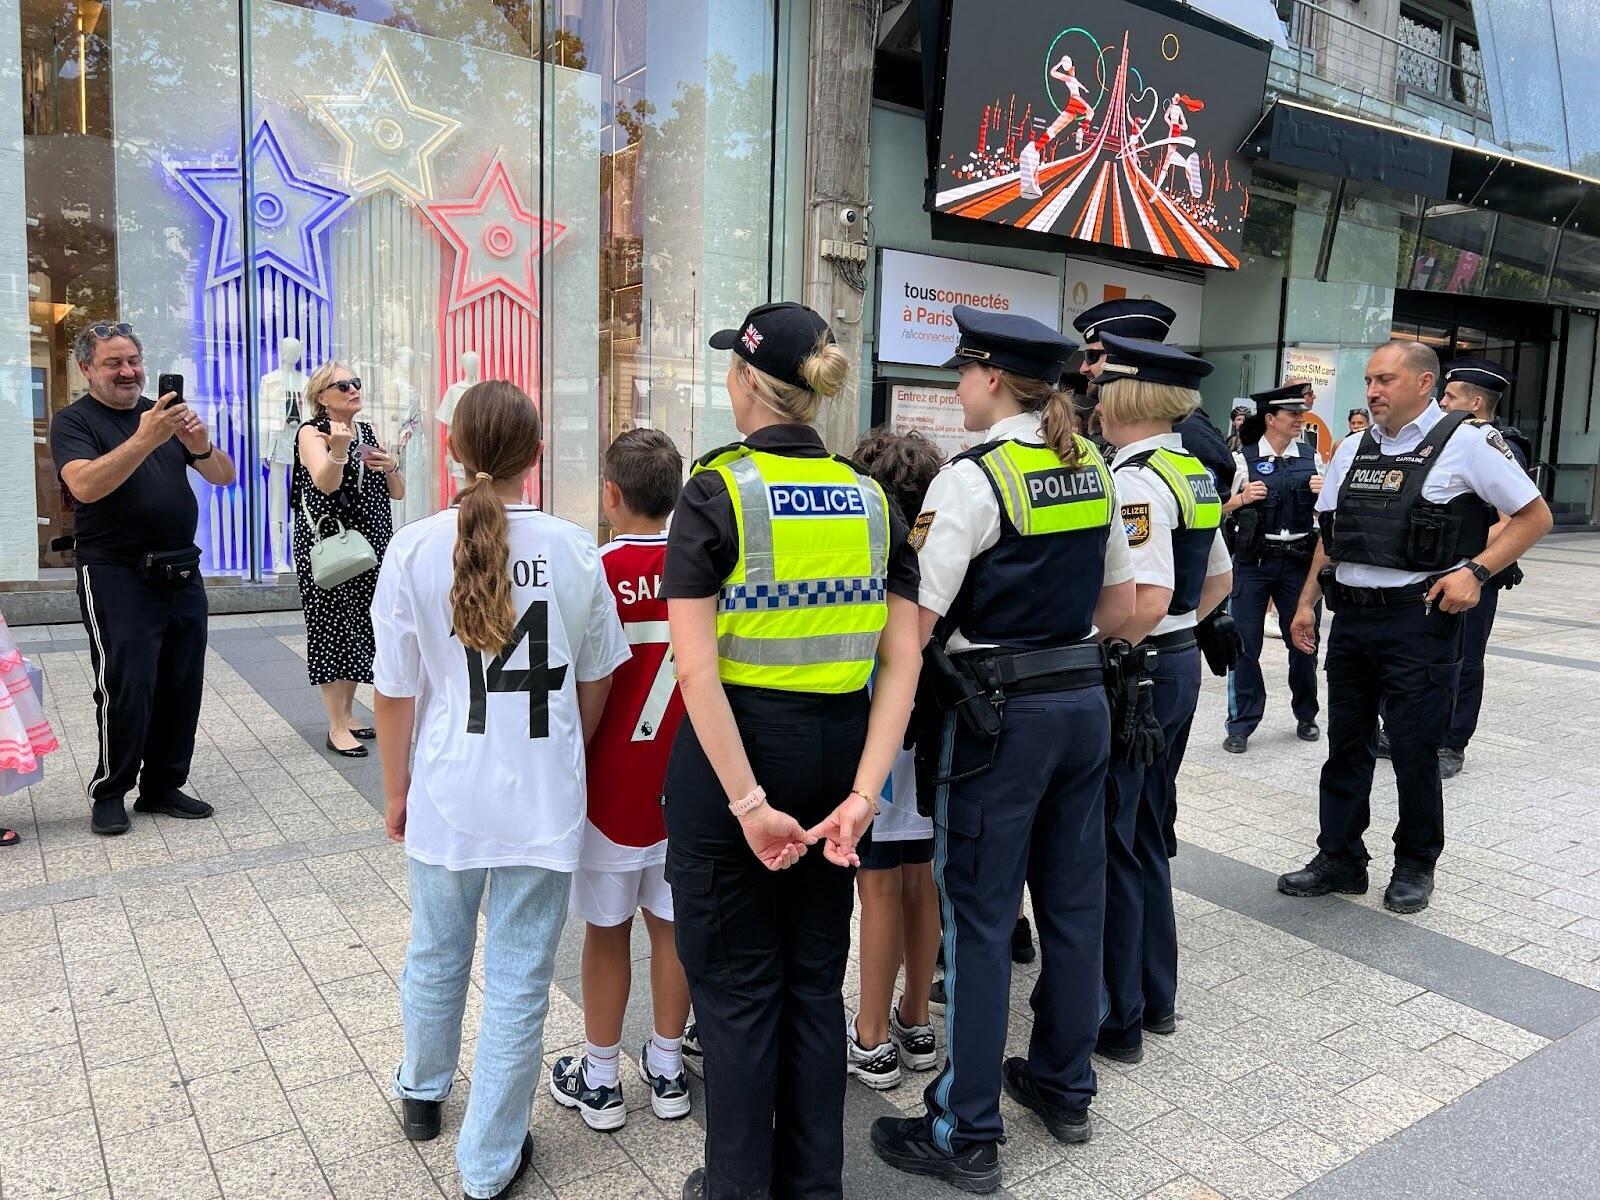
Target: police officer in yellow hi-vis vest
[1172,514]
[788,578]
[1023,561]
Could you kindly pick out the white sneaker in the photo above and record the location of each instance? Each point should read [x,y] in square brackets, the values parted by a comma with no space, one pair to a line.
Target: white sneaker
[878,1068]
[669,1098]
[601,1107]
[914,1042]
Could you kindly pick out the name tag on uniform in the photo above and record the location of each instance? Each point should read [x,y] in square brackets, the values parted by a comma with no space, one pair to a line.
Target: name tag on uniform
[815,500]
[1063,485]
[1376,479]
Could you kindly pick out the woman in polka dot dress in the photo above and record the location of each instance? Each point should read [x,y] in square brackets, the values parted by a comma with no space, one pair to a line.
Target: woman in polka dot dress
[340,470]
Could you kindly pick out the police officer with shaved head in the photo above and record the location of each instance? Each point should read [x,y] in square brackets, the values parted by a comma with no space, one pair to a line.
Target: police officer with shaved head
[1405,513]
[1475,386]
[1024,564]
[1151,320]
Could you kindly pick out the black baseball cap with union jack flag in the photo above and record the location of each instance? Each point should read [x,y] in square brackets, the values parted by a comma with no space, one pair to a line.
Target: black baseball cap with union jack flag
[776,338]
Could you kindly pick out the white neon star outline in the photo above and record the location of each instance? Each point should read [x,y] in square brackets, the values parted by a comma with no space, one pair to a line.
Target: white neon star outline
[388,139]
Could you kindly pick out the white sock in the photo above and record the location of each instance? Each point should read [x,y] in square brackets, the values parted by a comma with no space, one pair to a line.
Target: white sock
[600,1064]
[665,1056]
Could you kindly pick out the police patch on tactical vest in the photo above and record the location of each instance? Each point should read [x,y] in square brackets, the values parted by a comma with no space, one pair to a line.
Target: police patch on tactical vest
[919,531]
[1063,485]
[1136,521]
[1377,479]
[1204,487]
[815,500]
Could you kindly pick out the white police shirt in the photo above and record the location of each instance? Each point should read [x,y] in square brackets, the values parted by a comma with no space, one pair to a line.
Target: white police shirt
[497,776]
[1241,469]
[960,519]
[1468,463]
[1152,548]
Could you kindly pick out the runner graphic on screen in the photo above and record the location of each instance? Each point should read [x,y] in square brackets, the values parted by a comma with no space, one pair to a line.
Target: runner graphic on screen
[1076,107]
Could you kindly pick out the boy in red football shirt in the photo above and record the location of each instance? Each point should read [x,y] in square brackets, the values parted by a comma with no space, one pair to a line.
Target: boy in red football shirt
[621,867]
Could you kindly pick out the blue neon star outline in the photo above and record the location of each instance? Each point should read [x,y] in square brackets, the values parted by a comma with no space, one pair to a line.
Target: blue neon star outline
[292,211]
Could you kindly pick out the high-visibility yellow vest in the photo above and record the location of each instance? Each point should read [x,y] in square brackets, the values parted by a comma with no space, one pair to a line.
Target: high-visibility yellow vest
[1199,515]
[1042,495]
[803,607]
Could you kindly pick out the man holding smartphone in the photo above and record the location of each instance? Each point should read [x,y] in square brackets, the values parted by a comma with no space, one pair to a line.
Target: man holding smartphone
[124,459]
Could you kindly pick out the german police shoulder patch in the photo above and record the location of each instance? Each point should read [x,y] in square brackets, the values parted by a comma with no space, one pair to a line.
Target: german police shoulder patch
[919,531]
[1136,521]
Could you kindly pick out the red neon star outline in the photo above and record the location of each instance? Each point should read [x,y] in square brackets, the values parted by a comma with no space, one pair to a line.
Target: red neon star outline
[496,239]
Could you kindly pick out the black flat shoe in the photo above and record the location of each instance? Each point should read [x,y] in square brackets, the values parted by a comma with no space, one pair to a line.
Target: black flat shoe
[174,804]
[1164,1026]
[365,734]
[353,752]
[1122,1054]
[1308,731]
[9,837]
[110,818]
[1236,743]
[420,1119]
[1022,950]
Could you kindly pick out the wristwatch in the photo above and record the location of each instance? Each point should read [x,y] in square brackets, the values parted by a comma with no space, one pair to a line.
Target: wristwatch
[210,450]
[1479,572]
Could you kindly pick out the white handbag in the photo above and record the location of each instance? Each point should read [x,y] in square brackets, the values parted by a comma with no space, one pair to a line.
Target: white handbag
[338,557]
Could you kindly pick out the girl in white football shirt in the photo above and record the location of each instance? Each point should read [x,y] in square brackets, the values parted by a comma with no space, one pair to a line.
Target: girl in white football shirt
[496,639]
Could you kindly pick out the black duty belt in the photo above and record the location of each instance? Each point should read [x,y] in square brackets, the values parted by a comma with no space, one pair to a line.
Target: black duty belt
[1343,595]
[1171,643]
[1018,672]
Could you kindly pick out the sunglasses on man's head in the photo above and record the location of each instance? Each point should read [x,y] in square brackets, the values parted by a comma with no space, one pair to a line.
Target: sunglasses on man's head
[346,385]
[120,329]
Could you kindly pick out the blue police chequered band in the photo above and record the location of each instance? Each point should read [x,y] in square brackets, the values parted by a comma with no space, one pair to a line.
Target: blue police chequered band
[804,593]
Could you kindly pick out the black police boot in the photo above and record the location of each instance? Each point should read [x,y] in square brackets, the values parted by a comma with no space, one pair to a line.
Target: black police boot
[1308,731]
[1408,890]
[1451,762]
[1065,1124]
[905,1144]
[1236,743]
[1022,950]
[1323,875]
[1163,1025]
[420,1119]
[1119,1052]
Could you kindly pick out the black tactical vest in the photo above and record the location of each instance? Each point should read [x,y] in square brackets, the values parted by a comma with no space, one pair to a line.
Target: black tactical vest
[1289,504]
[1383,521]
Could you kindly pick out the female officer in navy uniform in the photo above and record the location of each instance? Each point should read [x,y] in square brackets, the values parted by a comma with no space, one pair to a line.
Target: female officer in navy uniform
[1022,562]
[1173,516]
[1273,507]
[788,574]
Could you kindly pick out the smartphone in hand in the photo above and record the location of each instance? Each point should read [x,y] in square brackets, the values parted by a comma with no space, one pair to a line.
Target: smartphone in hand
[170,383]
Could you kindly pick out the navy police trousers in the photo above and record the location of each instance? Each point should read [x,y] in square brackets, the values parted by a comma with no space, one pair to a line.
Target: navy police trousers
[1141,939]
[1278,579]
[1036,814]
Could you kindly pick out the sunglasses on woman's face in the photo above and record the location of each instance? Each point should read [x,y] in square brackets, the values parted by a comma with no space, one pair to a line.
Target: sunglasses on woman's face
[346,385]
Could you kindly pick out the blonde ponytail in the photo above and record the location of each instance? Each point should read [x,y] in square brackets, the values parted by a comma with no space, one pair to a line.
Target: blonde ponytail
[1058,420]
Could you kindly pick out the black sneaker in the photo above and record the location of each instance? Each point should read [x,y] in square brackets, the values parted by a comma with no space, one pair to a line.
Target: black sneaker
[174,804]
[110,817]
[693,1057]
[1236,743]
[601,1107]
[694,1187]
[1323,875]
[1408,890]
[420,1119]
[1163,1025]
[905,1144]
[1065,1124]
[878,1068]
[936,994]
[669,1098]
[1022,950]
[522,1169]
[918,1051]
[1451,762]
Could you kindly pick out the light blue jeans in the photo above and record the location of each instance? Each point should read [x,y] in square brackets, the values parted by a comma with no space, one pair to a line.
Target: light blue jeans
[524,914]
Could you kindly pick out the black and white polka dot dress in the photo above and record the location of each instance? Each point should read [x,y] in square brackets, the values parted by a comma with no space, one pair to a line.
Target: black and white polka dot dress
[339,623]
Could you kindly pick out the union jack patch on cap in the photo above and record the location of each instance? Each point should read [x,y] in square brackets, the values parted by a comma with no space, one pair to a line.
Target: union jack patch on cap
[751,338]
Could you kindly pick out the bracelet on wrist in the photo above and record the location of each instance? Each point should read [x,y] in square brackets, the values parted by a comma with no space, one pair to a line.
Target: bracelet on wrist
[343,462]
[872,800]
[751,801]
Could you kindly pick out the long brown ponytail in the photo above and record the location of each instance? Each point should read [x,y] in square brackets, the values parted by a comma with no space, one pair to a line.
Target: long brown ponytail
[1058,420]
[497,435]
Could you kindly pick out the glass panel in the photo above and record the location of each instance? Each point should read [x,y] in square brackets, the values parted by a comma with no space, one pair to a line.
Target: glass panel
[1576,278]
[1375,237]
[1451,251]
[1531,116]
[1519,259]
[1422,35]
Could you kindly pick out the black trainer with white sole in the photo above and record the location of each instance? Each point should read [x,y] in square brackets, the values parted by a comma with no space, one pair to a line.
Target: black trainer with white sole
[669,1097]
[693,1057]
[601,1107]
[918,1050]
[878,1068]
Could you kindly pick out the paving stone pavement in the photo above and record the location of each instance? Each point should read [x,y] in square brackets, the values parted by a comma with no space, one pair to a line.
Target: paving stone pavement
[210,1008]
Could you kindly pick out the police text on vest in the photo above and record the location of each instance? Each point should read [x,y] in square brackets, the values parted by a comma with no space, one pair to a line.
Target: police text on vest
[816,500]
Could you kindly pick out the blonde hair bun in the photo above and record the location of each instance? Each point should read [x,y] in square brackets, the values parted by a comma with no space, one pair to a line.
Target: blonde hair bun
[826,369]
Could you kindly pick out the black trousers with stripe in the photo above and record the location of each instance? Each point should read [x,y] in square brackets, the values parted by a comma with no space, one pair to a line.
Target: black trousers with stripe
[147,649]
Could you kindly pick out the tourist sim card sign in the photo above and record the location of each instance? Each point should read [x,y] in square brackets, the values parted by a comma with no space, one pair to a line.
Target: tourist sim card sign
[1106,122]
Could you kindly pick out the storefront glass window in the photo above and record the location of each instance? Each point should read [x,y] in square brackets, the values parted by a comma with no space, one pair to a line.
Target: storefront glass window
[1375,237]
[430,191]
[1519,259]
[1452,249]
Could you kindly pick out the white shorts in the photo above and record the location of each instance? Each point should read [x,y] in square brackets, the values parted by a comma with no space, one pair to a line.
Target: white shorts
[611,897]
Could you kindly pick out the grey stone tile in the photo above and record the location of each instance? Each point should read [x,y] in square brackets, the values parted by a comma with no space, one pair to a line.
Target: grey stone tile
[58,1156]
[564,1158]
[41,1021]
[136,1095]
[254,948]
[158,905]
[1061,1182]
[330,957]
[1382,1094]
[344,1117]
[1121,1163]
[1186,1188]
[27,928]
[310,1051]
[391,1170]
[117,1033]
[1232,1168]
[364,1003]
[623,1182]
[93,937]
[40,1084]
[666,1151]
[167,1162]
[188,989]
[241,1105]
[281,1167]
[1297,1149]
[219,1039]
[278,997]
[33,970]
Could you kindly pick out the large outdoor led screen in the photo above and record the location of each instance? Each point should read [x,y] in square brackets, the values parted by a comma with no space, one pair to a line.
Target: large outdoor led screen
[1107,122]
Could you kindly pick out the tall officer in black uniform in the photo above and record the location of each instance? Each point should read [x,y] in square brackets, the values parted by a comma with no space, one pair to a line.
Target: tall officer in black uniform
[1475,386]
[788,577]
[1022,561]
[1405,515]
[1152,321]
[1274,517]
[125,460]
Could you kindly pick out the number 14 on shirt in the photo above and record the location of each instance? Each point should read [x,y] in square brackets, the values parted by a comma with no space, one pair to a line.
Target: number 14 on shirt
[538,680]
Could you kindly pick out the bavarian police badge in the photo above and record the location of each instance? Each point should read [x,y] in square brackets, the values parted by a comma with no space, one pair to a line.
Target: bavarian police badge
[919,531]
[1136,521]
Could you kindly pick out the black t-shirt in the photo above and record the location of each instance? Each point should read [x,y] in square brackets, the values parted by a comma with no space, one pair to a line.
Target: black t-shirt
[703,540]
[153,510]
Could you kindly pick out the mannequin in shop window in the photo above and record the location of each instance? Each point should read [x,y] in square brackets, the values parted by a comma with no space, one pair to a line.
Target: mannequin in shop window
[403,405]
[278,409]
[471,366]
